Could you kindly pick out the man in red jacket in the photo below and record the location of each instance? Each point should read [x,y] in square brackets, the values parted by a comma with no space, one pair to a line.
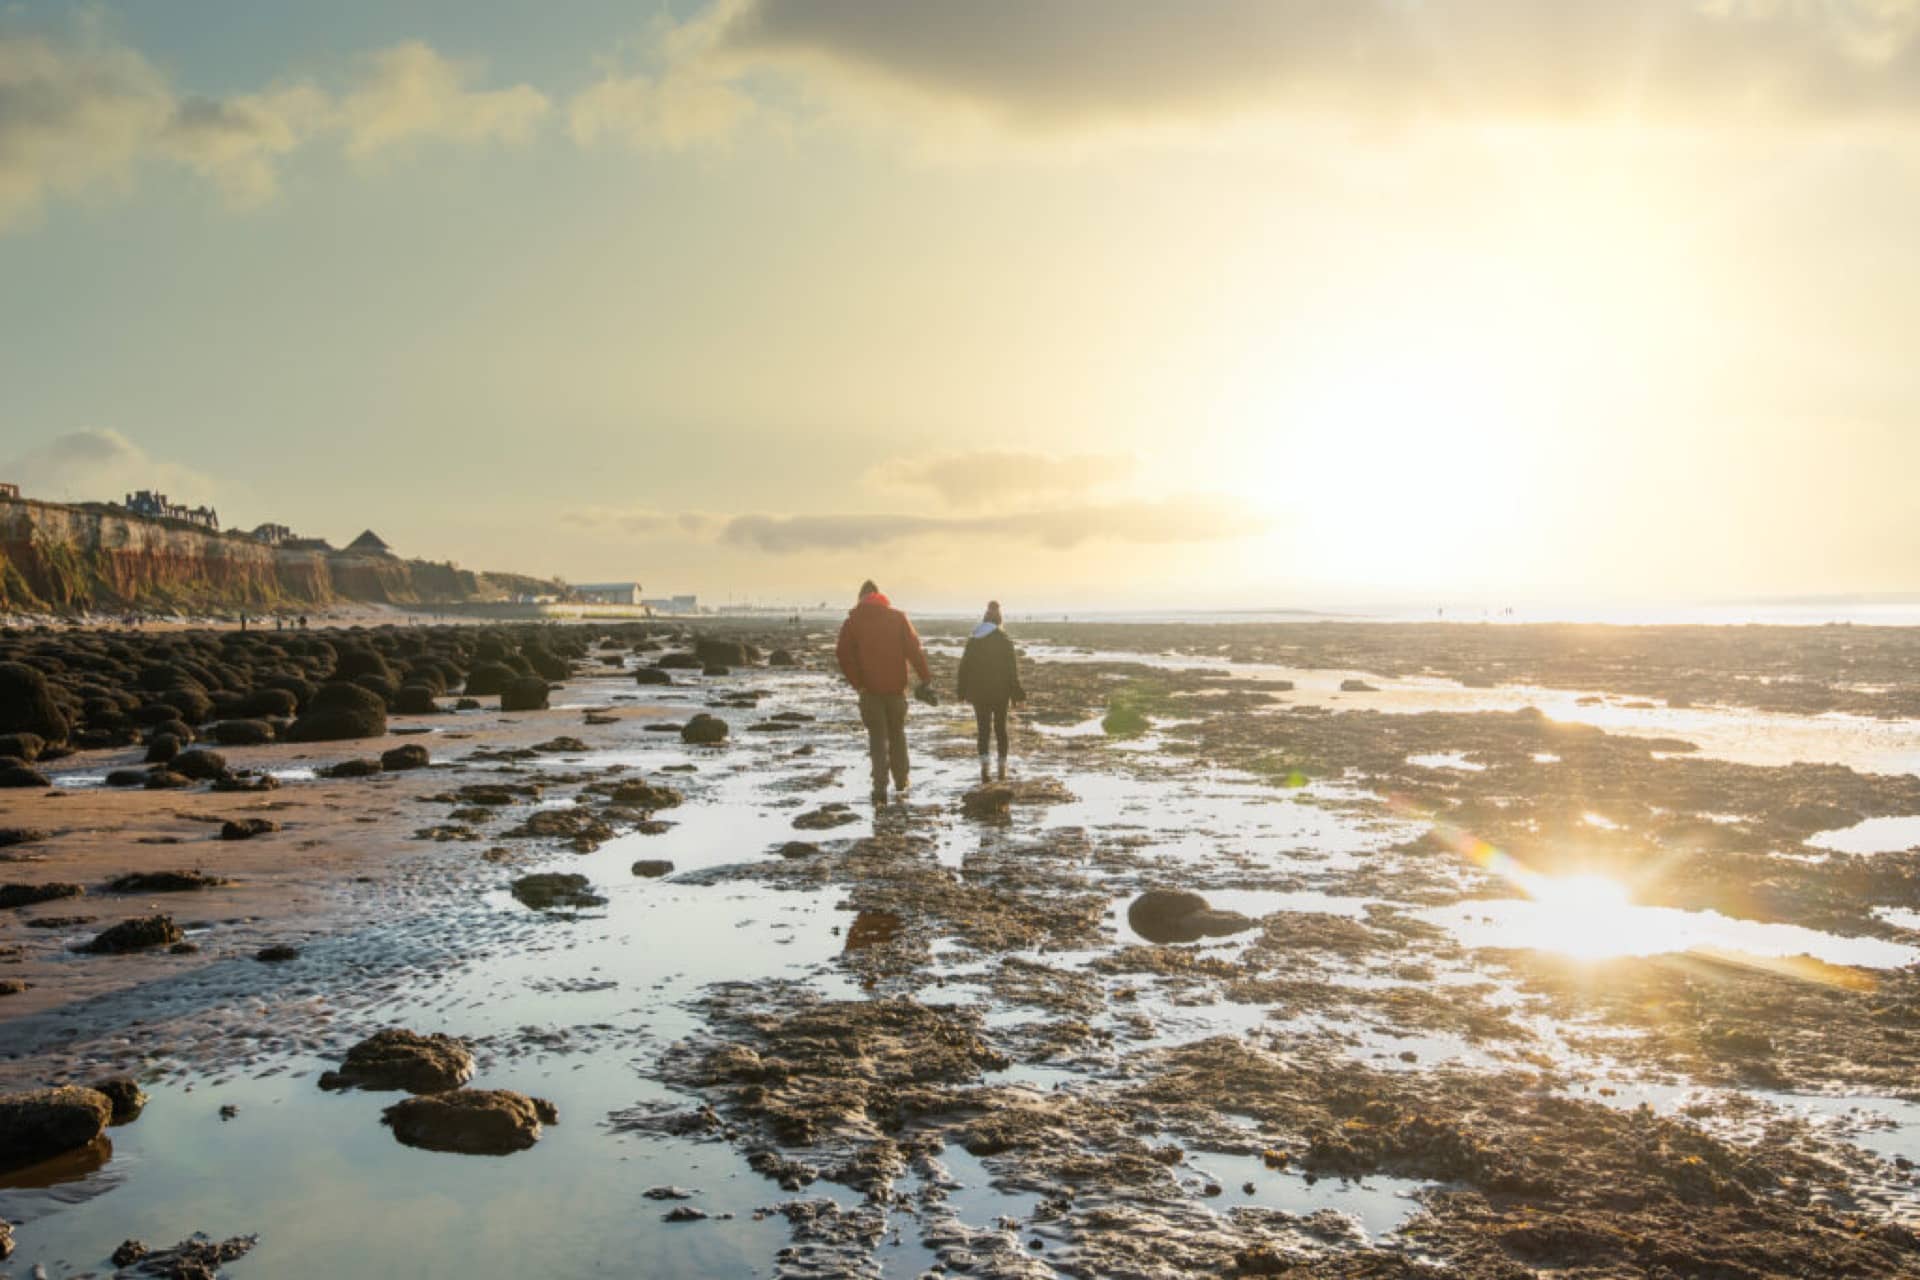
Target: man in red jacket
[877,644]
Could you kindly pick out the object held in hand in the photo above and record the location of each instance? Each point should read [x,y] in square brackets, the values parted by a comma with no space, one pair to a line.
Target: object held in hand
[923,692]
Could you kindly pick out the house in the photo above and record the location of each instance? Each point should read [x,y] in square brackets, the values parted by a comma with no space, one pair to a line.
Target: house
[369,543]
[273,535]
[9,492]
[155,505]
[608,592]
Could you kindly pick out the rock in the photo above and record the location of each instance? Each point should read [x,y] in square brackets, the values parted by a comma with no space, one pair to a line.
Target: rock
[987,802]
[128,777]
[1175,915]
[340,711]
[39,1124]
[242,733]
[14,774]
[246,782]
[1357,686]
[399,1059]
[716,669]
[489,679]
[166,882]
[556,891]
[825,818]
[24,747]
[651,675]
[277,953]
[653,867]
[781,658]
[524,693]
[409,755]
[165,780]
[415,700]
[467,704]
[27,704]
[247,828]
[678,662]
[645,795]
[126,1095]
[562,744]
[195,1258]
[14,896]
[684,1213]
[199,764]
[483,1122]
[668,1193]
[139,934]
[6,1239]
[359,767]
[704,730]
[798,849]
[14,986]
[10,836]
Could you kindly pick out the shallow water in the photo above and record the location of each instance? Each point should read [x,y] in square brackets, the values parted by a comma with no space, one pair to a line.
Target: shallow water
[577,1009]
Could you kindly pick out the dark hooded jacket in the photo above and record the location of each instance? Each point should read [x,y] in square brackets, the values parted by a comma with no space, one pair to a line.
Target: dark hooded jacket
[989,670]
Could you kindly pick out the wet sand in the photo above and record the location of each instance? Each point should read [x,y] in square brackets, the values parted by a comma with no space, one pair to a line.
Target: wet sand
[1440,1044]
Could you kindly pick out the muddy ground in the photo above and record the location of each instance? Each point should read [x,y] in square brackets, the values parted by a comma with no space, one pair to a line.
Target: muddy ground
[1434,1044]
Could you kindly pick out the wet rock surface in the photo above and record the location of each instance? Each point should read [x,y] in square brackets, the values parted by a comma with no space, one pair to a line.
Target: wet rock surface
[38,1124]
[486,1122]
[399,1059]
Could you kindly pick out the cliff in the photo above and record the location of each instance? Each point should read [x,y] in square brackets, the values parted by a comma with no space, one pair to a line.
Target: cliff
[61,559]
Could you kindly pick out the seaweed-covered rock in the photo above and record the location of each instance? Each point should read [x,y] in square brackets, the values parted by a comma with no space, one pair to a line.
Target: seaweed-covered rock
[27,704]
[653,868]
[400,1059]
[488,679]
[524,693]
[723,653]
[484,1122]
[652,675]
[126,1096]
[15,774]
[39,1124]
[13,896]
[341,711]
[556,891]
[242,733]
[1175,915]
[409,755]
[415,700]
[704,730]
[645,795]
[359,767]
[162,748]
[165,882]
[199,764]
[24,747]
[142,933]
[247,828]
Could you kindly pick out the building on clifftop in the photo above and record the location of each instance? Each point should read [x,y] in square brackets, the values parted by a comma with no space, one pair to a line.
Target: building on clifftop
[154,505]
[369,543]
[273,535]
[9,492]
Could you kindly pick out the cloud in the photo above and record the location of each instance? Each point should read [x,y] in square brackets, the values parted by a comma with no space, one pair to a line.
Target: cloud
[1071,63]
[79,115]
[678,110]
[639,522]
[72,118]
[409,92]
[101,466]
[992,478]
[1146,522]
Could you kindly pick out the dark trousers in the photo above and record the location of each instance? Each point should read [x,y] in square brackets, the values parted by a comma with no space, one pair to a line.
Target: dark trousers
[990,718]
[885,715]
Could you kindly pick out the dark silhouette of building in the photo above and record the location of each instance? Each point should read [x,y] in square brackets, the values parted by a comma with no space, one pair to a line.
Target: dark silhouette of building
[155,505]
[369,543]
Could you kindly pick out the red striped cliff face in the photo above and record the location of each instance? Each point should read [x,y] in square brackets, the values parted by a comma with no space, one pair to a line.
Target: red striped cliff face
[61,559]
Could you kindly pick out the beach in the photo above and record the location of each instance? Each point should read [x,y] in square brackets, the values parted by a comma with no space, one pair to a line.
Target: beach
[1516,949]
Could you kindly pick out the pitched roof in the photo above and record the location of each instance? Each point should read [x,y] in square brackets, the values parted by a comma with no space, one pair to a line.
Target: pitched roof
[368,541]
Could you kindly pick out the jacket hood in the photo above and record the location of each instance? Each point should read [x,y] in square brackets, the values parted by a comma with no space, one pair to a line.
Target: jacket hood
[878,598]
[985,629]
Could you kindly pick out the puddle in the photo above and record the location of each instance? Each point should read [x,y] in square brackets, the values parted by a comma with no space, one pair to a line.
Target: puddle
[1447,760]
[1596,927]
[1379,1205]
[1875,835]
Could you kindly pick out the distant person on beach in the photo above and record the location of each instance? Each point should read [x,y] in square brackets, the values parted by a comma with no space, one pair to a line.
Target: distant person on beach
[990,680]
[877,645]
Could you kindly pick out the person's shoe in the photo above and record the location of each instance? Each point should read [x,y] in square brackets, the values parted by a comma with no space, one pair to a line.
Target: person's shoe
[1003,768]
[880,795]
[899,789]
[985,775]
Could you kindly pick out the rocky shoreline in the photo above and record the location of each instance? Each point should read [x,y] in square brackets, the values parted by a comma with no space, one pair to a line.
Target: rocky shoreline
[1213,968]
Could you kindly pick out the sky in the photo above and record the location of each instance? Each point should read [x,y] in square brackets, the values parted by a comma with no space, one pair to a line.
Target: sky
[1073,303]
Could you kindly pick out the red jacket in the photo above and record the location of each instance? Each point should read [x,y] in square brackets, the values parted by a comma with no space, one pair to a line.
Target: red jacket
[876,644]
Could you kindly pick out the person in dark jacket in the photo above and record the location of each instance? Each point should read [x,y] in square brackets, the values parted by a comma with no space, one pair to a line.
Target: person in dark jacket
[877,647]
[990,680]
